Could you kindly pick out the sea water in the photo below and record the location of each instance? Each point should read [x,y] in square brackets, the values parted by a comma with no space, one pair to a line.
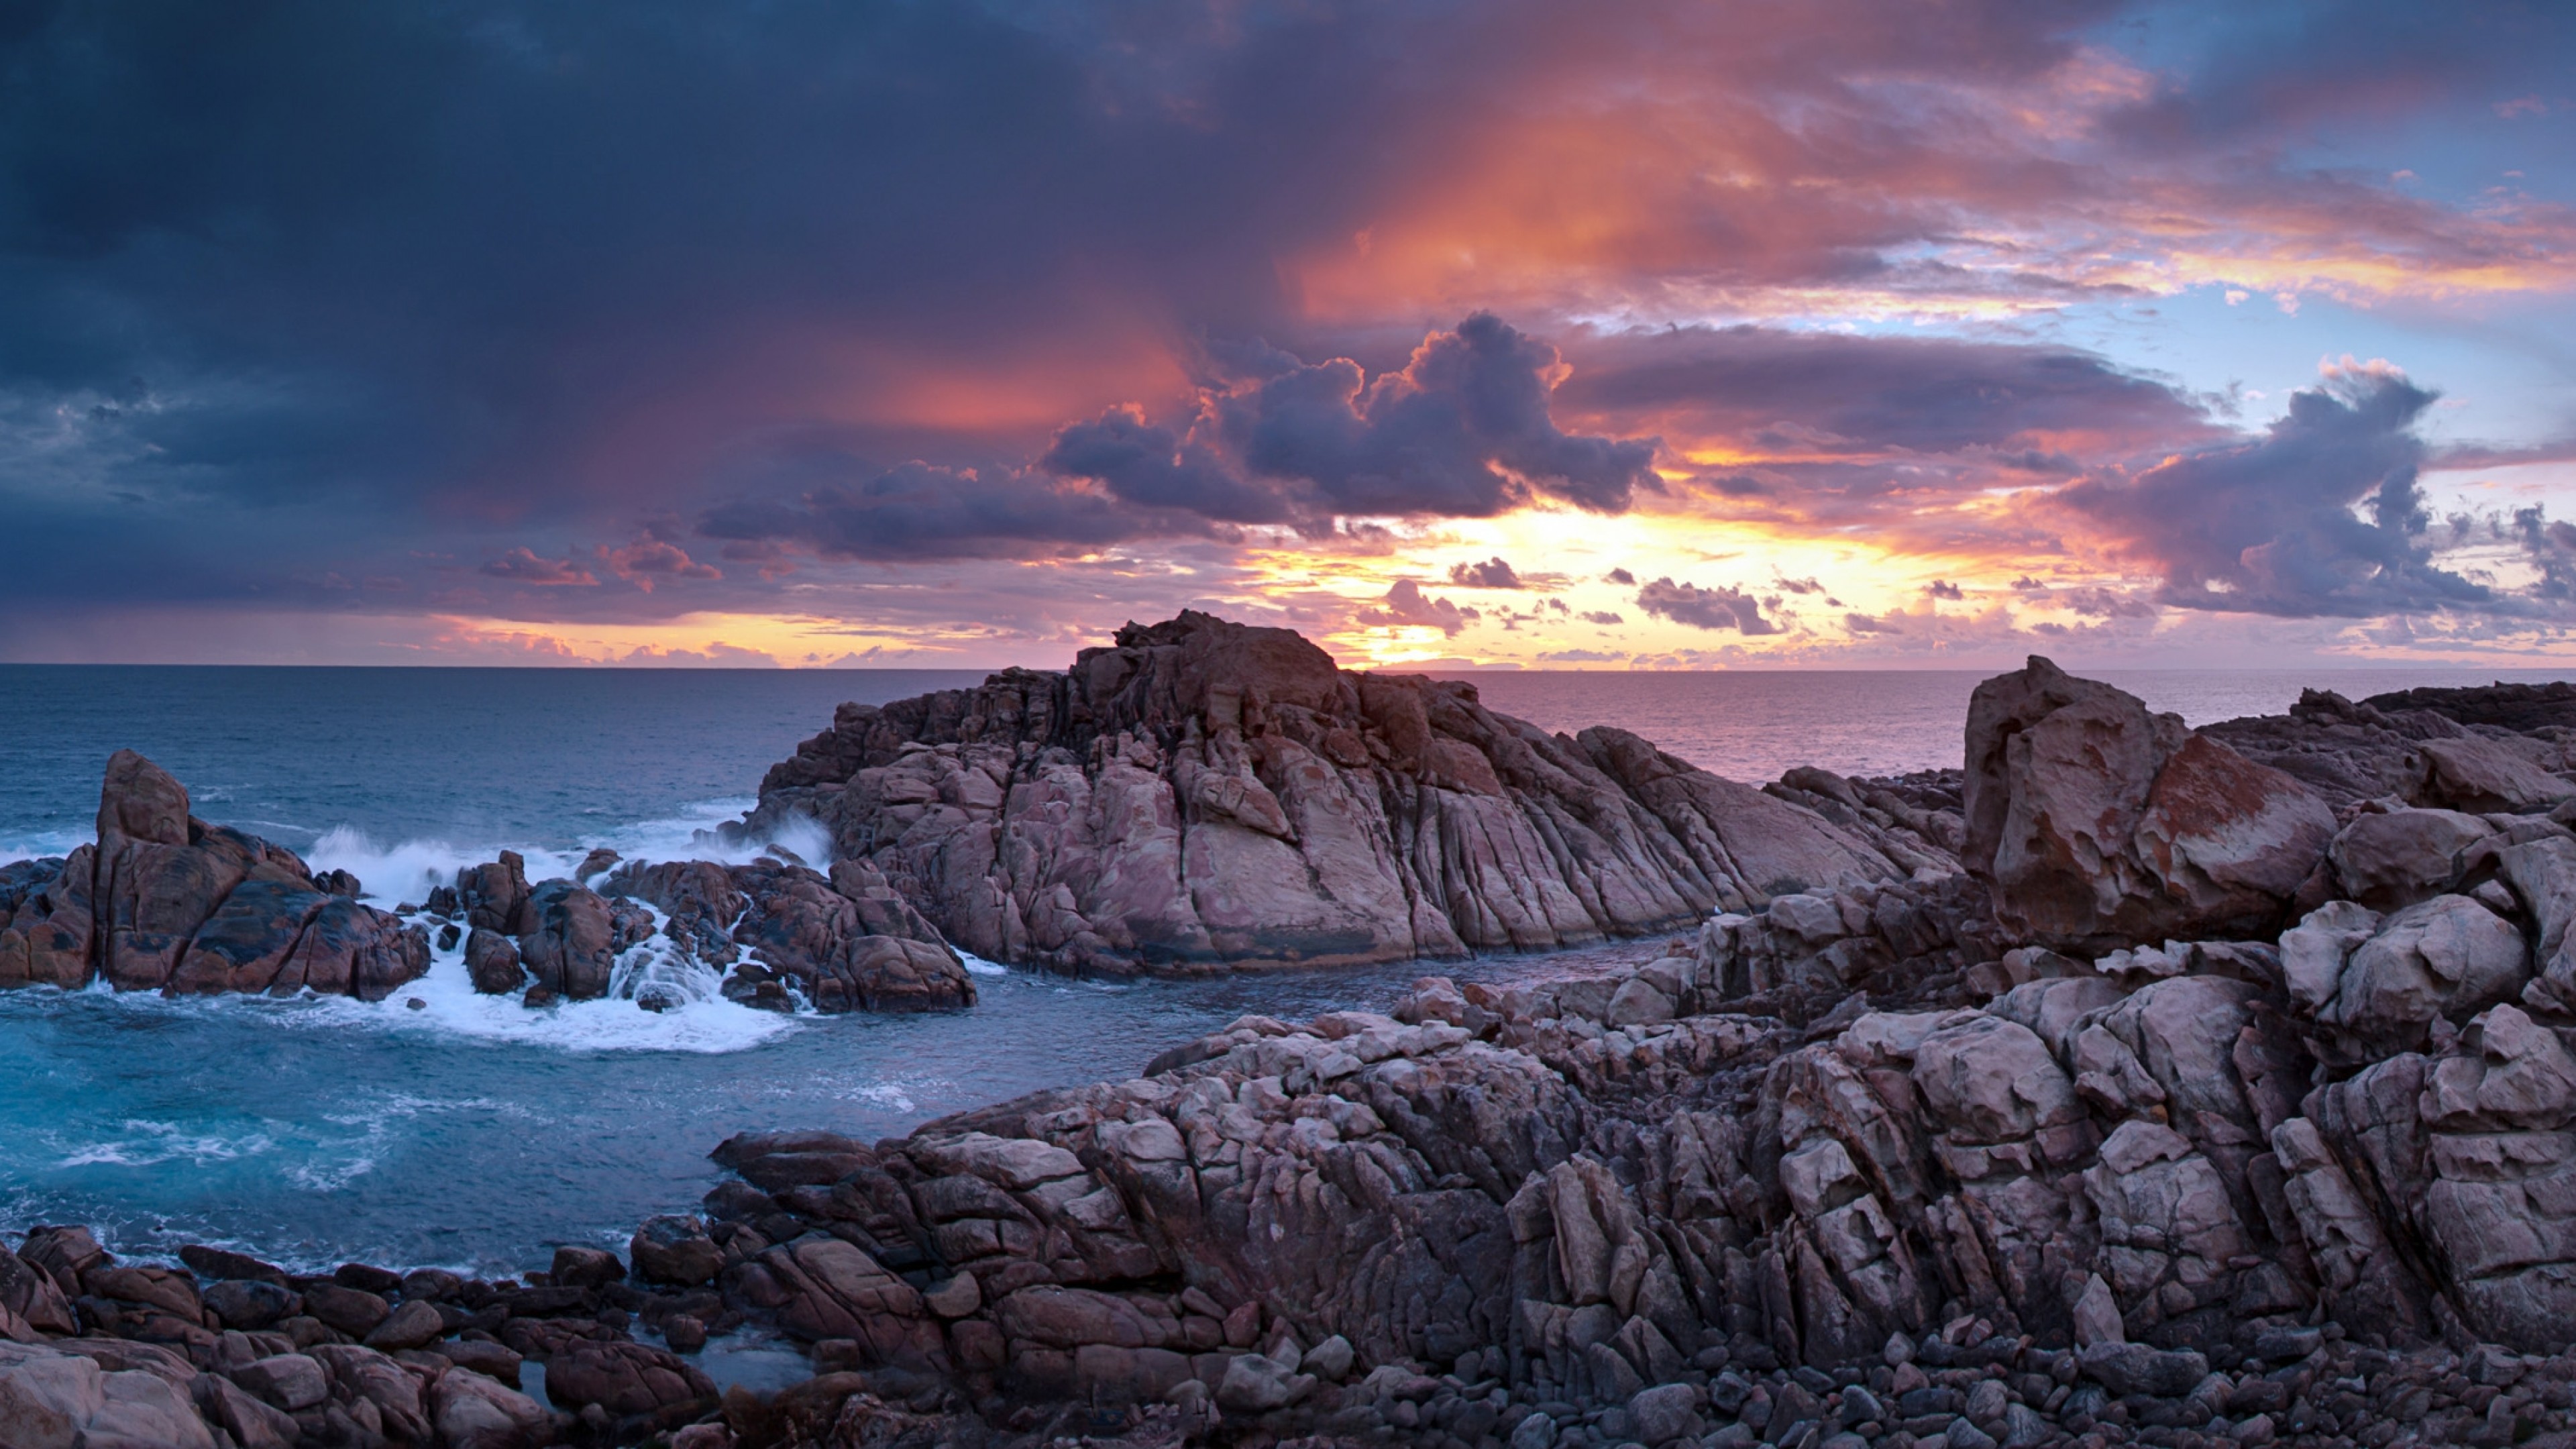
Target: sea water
[472,1133]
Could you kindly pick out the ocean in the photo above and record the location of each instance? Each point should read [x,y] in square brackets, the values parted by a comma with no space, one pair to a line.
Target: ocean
[476,1135]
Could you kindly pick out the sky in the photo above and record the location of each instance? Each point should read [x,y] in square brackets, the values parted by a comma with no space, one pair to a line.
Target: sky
[1651,334]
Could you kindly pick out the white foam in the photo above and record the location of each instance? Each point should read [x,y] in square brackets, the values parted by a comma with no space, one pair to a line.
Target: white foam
[701,1020]
[148,1144]
[42,845]
[978,966]
[408,870]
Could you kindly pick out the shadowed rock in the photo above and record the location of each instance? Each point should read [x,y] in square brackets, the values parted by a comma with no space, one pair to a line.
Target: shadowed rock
[167,902]
[1206,793]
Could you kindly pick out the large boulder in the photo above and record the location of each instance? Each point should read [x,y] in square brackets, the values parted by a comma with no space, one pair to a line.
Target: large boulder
[1205,792]
[167,902]
[2099,824]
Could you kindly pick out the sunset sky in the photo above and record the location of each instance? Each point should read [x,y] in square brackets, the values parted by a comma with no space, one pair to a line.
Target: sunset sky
[1834,333]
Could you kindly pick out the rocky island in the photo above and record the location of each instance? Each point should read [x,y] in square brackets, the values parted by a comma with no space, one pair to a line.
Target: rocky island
[2131,1084]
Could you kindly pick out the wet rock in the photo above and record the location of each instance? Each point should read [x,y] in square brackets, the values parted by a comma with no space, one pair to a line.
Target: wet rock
[676,1251]
[572,939]
[495,895]
[492,962]
[167,902]
[579,1267]
[846,941]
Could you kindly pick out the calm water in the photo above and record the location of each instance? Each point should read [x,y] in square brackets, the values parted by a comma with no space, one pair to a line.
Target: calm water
[476,1134]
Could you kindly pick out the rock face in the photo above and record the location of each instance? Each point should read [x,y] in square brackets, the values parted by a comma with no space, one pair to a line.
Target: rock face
[166,902]
[2101,824]
[842,941]
[1207,793]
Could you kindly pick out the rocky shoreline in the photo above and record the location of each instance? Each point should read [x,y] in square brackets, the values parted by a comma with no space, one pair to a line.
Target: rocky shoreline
[2190,1087]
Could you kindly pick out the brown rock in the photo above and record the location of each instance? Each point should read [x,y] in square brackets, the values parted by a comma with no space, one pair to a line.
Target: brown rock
[624,1378]
[492,961]
[1204,793]
[676,1251]
[2099,824]
[352,1311]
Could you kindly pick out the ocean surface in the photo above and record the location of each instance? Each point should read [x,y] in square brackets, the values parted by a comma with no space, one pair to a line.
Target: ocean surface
[474,1134]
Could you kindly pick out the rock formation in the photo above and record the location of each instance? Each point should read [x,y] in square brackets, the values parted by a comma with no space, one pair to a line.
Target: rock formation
[2264,1138]
[778,933]
[164,901]
[1208,793]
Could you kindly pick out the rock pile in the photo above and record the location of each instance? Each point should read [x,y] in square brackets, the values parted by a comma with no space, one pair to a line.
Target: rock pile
[1205,793]
[228,1350]
[778,933]
[165,902]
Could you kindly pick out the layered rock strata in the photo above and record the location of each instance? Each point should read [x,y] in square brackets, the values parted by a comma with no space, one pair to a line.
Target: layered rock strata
[166,902]
[1207,793]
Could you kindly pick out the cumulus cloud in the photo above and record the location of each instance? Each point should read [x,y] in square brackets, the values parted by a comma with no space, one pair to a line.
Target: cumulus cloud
[1601,616]
[2321,516]
[645,561]
[1944,589]
[1462,430]
[1493,573]
[1718,608]
[1621,577]
[1406,606]
[1154,467]
[523,566]
[919,511]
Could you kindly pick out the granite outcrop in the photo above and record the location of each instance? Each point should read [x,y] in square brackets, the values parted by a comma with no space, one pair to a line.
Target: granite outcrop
[1206,793]
[163,901]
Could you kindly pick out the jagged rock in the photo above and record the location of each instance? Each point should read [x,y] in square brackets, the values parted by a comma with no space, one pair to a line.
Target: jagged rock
[847,940]
[471,1411]
[492,962]
[2475,773]
[573,937]
[2448,957]
[2399,857]
[1206,792]
[624,1378]
[675,1250]
[167,902]
[2099,824]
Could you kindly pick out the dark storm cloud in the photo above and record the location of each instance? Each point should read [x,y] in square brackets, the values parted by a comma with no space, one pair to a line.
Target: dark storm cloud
[1719,608]
[918,511]
[1462,430]
[2270,526]
[1802,390]
[522,566]
[1154,467]
[458,268]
